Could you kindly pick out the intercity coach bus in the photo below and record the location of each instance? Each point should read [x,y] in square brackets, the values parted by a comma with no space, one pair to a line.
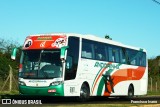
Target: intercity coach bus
[66,64]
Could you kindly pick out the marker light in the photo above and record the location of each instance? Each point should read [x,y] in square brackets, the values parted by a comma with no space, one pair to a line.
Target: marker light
[22,83]
[56,83]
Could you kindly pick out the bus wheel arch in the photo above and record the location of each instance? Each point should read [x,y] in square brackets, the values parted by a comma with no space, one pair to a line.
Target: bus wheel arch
[131,91]
[84,91]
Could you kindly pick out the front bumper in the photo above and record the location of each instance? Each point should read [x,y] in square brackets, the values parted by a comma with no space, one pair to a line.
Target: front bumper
[42,91]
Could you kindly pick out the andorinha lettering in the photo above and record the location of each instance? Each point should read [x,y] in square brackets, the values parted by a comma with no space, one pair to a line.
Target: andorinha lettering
[104,65]
[44,38]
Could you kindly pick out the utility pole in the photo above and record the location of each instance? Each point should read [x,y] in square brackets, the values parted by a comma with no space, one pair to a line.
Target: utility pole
[156,1]
[10,76]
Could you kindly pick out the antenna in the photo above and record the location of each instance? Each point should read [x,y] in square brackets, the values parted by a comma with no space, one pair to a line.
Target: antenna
[107,37]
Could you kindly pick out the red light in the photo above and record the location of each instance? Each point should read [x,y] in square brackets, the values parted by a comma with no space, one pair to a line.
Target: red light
[52,91]
[20,67]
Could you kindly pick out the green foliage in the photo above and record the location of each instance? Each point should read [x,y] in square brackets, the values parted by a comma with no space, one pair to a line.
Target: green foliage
[4,68]
[154,67]
[5,58]
[153,93]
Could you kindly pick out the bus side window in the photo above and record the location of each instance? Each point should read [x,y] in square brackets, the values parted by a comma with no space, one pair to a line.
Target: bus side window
[141,59]
[99,50]
[117,54]
[122,56]
[144,59]
[87,50]
[128,56]
[114,54]
[133,55]
[111,57]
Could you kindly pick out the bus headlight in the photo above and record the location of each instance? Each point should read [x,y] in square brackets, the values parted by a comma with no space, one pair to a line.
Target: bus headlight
[56,83]
[22,83]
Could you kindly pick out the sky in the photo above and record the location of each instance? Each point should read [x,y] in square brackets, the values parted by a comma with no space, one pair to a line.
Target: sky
[131,22]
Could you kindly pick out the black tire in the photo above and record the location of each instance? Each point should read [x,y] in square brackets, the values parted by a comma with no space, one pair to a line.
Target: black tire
[130,92]
[84,93]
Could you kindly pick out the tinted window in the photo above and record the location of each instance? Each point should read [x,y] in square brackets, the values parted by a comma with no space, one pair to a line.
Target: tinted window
[87,49]
[72,58]
[99,50]
[132,54]
[135,57]
[105,52]
[114,54]
[141,59]
[123,56]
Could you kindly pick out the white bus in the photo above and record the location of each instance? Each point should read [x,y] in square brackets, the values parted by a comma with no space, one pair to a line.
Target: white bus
[65,64]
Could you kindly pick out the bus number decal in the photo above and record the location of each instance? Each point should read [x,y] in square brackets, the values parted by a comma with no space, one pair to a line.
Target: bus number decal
[72,89]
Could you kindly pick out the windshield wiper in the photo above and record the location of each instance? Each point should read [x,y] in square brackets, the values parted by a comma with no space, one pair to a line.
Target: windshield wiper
[39,62]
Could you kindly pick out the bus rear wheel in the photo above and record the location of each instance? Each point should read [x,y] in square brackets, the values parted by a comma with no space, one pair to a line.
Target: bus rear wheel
[130,92]
[84,93]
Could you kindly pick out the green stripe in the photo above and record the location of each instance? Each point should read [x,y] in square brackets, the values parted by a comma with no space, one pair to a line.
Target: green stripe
[102,83]
[96,76]
[100,87]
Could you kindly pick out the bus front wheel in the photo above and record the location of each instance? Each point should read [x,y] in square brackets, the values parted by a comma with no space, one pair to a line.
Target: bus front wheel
[84,93]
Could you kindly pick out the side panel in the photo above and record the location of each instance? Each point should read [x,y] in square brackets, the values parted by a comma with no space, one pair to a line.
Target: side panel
[117,80]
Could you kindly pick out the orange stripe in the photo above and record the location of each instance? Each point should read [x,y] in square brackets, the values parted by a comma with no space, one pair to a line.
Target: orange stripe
[126,74]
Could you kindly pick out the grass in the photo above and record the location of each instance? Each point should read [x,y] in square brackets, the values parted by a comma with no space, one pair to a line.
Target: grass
[14,92]
[153,93]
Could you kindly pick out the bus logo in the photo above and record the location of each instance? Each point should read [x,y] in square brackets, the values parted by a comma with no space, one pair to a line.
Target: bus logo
[28,43]
[59,43]
[43,44]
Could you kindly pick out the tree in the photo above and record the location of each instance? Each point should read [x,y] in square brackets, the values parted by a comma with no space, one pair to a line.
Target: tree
[6,47]
[154,67]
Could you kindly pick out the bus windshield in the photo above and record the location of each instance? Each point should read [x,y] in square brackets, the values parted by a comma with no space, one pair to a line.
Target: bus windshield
[41,64]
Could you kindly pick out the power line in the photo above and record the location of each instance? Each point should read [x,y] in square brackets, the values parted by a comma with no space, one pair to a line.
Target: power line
[156,1]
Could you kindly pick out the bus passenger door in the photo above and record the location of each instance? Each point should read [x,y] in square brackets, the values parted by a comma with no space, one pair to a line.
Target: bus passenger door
[71,65]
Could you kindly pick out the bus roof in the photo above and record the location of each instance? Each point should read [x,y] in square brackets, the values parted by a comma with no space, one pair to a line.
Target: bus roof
[92,37]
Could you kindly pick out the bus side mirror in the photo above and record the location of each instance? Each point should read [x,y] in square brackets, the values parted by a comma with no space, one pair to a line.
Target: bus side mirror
[13,54]
[63,50]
